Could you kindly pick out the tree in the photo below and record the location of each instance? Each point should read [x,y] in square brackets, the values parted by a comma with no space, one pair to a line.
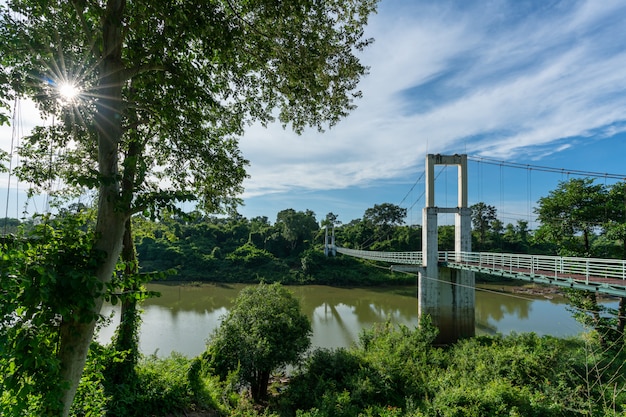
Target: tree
[483,217]
[384,217]
[44,276]
[516,237]
[615,228]
[385,214]
[615,221]
[445,238]
[331,219]
[296,226]
[164,90]
[576,207]
[264,331]
[580,207]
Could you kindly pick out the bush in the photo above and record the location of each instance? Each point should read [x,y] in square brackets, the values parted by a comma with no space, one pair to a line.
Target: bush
[158,386]
[324,371]
[250,256]
[389,367]
[515,375]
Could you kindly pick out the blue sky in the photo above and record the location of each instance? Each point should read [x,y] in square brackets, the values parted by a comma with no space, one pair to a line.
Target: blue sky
[533,82]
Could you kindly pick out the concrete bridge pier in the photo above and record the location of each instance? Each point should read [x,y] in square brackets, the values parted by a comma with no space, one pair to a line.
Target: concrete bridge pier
[446,294]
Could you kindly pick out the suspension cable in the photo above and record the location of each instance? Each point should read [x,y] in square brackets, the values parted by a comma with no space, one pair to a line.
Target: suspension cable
[621,177]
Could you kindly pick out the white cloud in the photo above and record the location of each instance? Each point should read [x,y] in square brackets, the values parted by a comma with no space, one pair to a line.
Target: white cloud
[493,78]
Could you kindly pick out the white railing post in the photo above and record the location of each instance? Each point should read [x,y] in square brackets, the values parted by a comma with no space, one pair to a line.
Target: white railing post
[556,267]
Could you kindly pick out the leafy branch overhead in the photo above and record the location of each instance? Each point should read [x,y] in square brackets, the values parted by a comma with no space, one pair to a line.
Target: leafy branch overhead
[191,74]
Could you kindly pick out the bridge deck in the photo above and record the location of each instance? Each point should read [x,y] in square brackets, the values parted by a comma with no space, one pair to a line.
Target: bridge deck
[607,276]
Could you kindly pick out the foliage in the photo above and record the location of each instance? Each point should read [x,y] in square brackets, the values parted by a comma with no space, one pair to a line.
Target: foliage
[46,280]
[483,218]
[331,220]
[575,207]
[615,222]
[383,217]
[604,379]
[571,215]
[263,332]
[236,249]
[498,376]
[607,323]
[159,386]
[387,366]
[296,227]
[394,371]
[91,397]
[250,256]
[385,214]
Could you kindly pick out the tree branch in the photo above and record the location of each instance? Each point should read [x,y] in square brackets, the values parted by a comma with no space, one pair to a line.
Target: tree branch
[131,72]
[86,30]
[245,21]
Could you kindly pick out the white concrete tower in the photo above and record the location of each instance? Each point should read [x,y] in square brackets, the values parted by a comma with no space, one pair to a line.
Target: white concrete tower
[447,295]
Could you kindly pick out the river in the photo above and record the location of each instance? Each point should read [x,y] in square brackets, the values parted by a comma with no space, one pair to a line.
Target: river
[185,315]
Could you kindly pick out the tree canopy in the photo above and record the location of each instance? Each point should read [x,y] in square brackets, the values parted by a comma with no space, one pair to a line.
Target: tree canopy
[297,226]
[575,207]
[483,218]
[264,331]
[385,214]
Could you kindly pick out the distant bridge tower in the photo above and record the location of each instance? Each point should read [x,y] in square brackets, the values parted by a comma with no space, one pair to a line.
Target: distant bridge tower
[329,243]
[446,294]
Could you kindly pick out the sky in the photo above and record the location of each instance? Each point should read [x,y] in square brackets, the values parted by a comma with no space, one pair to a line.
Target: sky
[538,83]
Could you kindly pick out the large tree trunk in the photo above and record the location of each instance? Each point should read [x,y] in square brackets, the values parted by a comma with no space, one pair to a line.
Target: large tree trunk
[126,339]
[260,385]
[76,337]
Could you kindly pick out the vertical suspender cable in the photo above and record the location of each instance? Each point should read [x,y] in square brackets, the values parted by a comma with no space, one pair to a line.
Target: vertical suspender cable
[530,193]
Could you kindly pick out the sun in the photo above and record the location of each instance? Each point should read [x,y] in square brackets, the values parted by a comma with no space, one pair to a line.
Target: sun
[69,92]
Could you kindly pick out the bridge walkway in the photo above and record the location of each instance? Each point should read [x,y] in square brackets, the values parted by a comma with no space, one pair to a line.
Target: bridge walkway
[605,276]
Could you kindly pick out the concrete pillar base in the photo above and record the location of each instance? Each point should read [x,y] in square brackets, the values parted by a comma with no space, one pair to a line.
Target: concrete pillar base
[449,301]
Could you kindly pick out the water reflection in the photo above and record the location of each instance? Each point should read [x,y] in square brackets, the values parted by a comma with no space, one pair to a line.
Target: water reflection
[184,316]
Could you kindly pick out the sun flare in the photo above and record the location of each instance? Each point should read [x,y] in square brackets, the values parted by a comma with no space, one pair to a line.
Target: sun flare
[68,91]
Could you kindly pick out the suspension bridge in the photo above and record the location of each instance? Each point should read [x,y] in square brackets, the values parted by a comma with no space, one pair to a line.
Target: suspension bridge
[446,281]
[604,276]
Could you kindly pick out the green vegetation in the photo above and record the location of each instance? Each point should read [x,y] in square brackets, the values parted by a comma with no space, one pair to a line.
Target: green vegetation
[235,249]
[395,371]
[391,371]
[263,332]
[43,279]
[166,88]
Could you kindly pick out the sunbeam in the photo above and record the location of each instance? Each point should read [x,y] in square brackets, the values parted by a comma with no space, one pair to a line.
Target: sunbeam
[68,92]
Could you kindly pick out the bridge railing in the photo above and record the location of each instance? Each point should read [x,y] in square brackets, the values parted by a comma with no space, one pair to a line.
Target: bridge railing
[551,266]
[566,267]
[406,258]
